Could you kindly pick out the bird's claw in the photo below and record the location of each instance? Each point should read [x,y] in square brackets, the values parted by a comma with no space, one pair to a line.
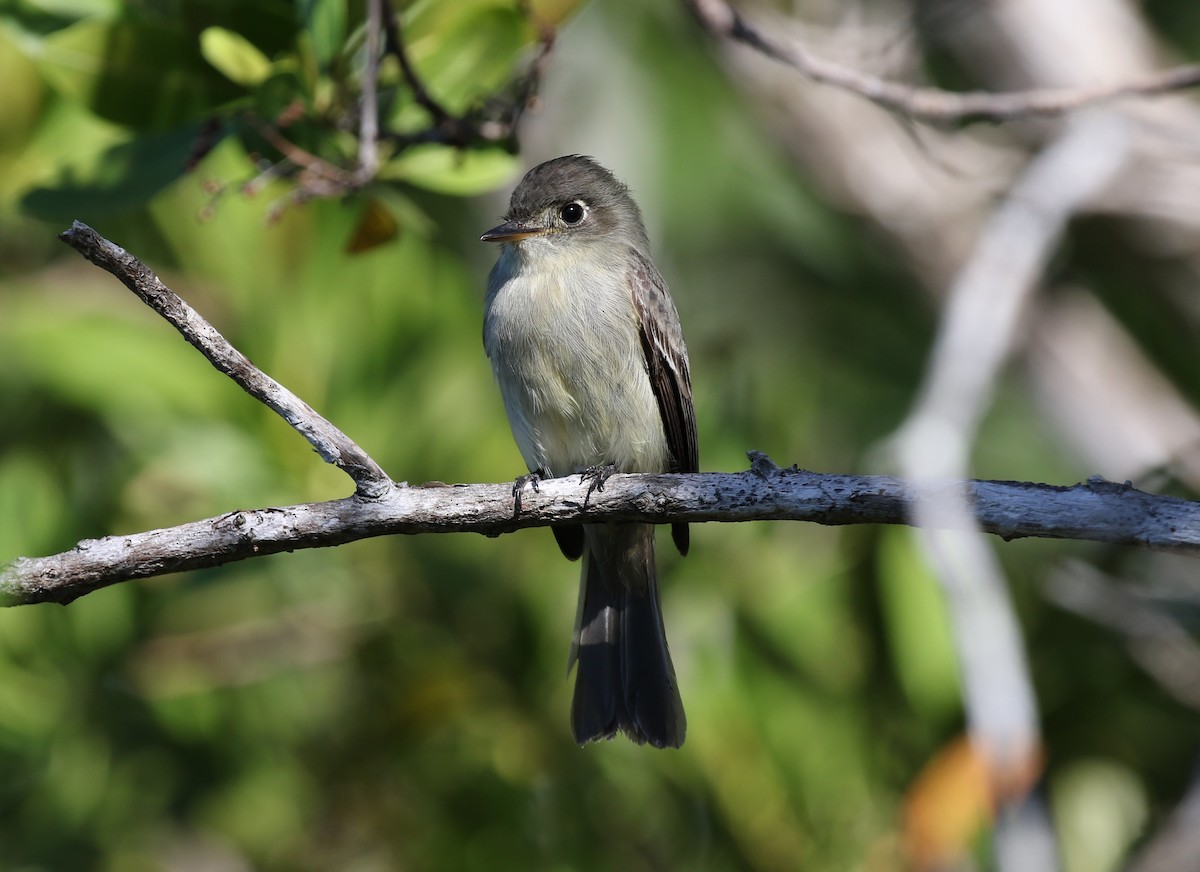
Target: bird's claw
[599,474]
[523,481]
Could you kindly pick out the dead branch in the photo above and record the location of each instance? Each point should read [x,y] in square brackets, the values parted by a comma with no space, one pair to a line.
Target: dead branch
[332,444]
[934,105]
[1095,510]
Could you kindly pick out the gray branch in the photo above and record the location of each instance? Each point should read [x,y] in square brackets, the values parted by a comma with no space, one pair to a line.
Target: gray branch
[332,444]
[932,105]
[1096,510]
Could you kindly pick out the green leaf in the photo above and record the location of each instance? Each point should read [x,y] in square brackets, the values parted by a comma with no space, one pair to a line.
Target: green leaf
[917,626]
[448,170]
[118,179]
[325,21]
[147,370]
[466,51]
[234,55]
[33,19]
[142,74]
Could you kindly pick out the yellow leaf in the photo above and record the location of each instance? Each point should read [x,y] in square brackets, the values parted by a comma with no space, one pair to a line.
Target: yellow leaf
[234,56]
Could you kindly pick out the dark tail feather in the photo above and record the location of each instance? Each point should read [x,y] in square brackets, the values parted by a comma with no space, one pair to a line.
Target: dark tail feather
[625,679]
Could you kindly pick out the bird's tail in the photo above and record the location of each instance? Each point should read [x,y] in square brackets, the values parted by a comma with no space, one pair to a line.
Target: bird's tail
[625,679]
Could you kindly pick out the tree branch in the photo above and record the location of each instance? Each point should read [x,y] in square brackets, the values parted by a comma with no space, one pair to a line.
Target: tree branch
[1158,641]
[368,122]
[332,444]
[979,328]
[933,104]
[1096,510]
[394,45]
[496,120]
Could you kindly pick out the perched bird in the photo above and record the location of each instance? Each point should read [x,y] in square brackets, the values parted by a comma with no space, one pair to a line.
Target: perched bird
[587,350]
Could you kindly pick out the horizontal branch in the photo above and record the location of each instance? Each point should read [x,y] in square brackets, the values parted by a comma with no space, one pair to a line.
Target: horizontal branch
[1096,510]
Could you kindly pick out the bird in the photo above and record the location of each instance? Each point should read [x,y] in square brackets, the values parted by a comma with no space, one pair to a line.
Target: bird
[588,352]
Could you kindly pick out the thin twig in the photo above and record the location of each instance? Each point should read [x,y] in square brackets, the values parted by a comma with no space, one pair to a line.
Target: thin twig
[527,88]
[934,104]
[319,167]
[368,131]
[394,45]
[1176,845]
[1156,640]
[496,121]
[332,444]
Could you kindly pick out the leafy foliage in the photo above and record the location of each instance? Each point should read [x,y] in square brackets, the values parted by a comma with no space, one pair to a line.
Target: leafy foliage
[401,703]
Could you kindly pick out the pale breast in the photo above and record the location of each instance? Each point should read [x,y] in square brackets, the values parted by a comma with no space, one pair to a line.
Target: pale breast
[567,355]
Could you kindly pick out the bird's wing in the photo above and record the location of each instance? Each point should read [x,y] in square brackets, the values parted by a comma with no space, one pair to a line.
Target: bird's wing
[667,366]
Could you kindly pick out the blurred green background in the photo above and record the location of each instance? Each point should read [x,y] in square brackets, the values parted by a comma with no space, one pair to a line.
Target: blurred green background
[401,703]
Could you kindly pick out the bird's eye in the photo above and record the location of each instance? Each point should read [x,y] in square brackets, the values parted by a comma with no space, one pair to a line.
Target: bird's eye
[572,213]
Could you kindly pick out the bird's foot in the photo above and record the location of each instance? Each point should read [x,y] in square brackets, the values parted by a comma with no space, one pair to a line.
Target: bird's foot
[599,474]
[523,481]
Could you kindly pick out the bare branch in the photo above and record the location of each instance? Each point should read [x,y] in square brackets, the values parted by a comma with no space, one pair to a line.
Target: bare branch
[1157,641]
[978,330]
[334,177]
[394,45]
[497,120]
[1096,510]
[1176,845]
[332,444]
[934,104]
[368,130]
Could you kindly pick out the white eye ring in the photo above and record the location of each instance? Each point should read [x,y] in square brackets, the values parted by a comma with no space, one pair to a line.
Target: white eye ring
[574,212]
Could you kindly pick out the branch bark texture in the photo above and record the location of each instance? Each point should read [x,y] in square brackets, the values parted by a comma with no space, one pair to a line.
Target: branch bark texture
[1096,510]
[332,444]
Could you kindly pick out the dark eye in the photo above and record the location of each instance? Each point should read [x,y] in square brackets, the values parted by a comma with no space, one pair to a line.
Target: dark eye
[572,213]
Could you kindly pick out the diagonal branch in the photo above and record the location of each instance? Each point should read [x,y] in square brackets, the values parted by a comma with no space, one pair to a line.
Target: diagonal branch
[1158,641]
[933,104]
[332,444]
[496,121]
[394,45]
[1096,510]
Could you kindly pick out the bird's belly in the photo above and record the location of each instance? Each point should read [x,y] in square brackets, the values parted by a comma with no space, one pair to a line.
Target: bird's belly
[599,418]
[577,399]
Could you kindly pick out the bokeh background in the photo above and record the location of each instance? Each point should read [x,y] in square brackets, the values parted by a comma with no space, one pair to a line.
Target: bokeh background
[401,703]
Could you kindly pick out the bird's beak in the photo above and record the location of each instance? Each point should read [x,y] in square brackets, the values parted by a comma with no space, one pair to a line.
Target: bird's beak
[512,231]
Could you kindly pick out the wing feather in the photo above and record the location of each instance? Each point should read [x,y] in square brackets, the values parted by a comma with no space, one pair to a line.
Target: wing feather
[667,367]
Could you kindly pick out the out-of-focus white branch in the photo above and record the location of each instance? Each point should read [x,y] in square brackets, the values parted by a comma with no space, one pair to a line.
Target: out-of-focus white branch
[932,192]
[368,130]
[931,104]
[1157,642]
[978,331]
[984,310]
[1177,844]
[1097,385]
